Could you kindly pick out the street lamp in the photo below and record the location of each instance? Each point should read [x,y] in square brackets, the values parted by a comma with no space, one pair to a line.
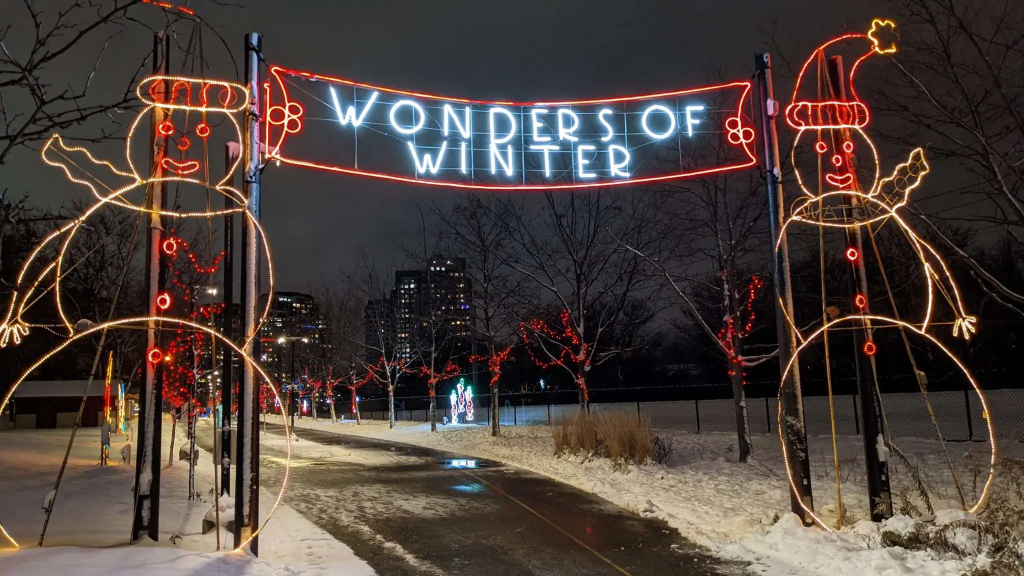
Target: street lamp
[292,339]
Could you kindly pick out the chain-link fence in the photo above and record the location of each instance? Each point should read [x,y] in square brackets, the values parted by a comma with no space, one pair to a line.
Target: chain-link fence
[959,414]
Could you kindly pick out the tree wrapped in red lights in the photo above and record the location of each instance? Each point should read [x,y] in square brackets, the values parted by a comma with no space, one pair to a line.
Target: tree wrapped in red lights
[435,377]
[564,348]
[353,385]
[736,326]
[190,356]
[494,361]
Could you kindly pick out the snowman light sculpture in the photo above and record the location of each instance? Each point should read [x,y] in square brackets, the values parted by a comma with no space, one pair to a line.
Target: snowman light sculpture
[852,195]
[192,109]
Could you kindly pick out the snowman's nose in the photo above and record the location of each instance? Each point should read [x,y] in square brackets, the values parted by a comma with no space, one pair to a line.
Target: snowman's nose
[837,160]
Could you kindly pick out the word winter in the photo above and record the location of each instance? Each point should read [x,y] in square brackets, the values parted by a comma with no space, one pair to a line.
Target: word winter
[410,136]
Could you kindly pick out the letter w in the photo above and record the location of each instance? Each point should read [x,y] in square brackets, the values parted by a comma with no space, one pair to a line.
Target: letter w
[349,116]
[428,164]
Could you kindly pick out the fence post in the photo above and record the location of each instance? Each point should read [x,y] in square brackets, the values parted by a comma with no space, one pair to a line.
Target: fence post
[696,405]
[639,418]
[767,415]
[970,419]
[514,422]
[856,416]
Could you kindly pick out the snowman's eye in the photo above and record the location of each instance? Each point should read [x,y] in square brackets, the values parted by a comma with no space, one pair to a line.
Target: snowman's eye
[166,128]
[203,130]
[848,147]
[821,147]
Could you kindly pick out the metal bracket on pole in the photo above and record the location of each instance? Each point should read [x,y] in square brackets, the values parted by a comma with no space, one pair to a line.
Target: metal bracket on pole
[794,432]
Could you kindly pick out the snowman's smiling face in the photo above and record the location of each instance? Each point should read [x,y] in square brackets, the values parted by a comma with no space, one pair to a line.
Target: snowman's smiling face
[181,140]
[849,162]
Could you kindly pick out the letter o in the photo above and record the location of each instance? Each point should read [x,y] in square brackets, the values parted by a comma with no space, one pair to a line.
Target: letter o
[664,110]
[420,118]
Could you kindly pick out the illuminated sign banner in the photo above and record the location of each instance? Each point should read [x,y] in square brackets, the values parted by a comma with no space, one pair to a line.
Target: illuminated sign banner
[353,128]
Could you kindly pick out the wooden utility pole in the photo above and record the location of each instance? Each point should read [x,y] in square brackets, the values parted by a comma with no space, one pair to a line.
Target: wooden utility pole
[873,431]
[147,458]
[794,432]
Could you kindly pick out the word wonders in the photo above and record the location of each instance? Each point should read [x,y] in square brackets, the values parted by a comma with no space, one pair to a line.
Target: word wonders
[354,128]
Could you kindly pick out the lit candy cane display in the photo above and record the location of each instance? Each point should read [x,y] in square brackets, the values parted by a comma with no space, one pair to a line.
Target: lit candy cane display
[836,129]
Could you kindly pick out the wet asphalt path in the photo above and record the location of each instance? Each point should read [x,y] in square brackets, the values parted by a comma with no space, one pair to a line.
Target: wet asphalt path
[407,510]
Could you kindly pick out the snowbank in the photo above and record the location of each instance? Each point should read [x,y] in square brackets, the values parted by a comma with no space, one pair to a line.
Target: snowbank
[94,508]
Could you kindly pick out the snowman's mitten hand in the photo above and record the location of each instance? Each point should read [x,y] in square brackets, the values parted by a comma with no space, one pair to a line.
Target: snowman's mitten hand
[965,326]
[896,187]
[11,333]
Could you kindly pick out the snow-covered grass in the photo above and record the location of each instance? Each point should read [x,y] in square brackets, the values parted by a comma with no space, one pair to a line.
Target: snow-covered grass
[90,525]
[740,511]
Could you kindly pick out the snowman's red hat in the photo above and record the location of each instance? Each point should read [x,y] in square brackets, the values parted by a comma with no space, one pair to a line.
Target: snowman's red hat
[817,114]
[200,94]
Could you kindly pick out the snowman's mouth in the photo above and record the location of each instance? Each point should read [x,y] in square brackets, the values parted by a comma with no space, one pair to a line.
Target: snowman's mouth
[180,168]
[838,181]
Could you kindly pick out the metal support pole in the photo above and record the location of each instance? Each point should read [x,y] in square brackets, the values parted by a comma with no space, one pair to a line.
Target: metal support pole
[795,434]
[696,408]
[295,386]
[146,515]
[970,419]
[856,414]
[247,474]
[768,414]
[873,434]
[231,152]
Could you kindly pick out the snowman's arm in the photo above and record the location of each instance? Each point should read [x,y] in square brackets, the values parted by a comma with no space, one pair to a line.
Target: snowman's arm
[964,324]
[81,167]
[896,187]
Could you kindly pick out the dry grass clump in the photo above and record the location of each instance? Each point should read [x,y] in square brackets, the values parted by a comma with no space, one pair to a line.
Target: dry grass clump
[622,438]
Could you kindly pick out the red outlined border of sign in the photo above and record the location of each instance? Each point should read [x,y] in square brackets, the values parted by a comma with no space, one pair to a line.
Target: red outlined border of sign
[273,152]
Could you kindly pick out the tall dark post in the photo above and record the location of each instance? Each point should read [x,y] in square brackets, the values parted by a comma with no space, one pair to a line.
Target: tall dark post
[879,492]
[146,515]
[794,431]
[294,386]
[247,474]
[231,152]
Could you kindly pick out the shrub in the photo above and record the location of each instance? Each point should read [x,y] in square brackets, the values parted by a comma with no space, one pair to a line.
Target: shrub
[623,438]
[661,449]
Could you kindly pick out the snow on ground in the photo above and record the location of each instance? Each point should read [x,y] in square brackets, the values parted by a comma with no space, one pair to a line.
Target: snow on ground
[715,501]
[92,518]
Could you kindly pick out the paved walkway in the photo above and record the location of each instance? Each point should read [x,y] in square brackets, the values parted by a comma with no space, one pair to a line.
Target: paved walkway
[408,510]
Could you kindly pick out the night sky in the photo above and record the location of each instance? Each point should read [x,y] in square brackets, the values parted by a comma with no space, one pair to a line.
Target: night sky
[524,50]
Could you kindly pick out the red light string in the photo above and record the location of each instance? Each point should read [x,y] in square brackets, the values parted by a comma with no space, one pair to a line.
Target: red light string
[728,335]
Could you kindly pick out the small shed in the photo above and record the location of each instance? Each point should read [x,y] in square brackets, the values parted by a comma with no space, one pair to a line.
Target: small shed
[55,403]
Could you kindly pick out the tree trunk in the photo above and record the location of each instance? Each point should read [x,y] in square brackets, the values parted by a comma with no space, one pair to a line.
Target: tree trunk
[734,362]
[495,428]
[739,397]
[391,407]
[433,408]
[355,407]
[584,396]
[334,415]
[174,428]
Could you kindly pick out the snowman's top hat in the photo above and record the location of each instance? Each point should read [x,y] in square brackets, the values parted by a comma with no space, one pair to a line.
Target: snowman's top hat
[817,114]
[199,94]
